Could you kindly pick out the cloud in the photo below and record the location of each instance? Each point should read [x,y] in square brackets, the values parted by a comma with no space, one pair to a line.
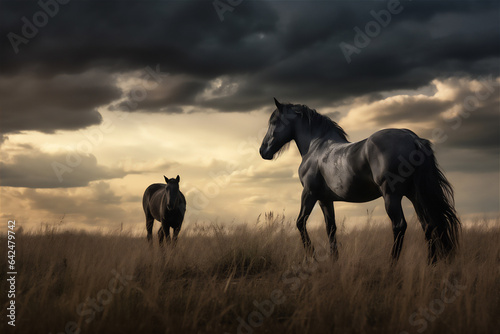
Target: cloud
[165,93]
[262,49]
[463,111]
[60,102]
[185,37]
[157,165]
[61,170]
[96,205]
[473,121]
[102,193]
[71,201]
[467,160]
[262,173]
[477,193]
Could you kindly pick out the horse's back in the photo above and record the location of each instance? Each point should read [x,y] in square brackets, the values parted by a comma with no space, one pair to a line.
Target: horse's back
[393,141]
[153,189]
[389,146]
[152,204]
[355,171]
[152,196]
[389,149]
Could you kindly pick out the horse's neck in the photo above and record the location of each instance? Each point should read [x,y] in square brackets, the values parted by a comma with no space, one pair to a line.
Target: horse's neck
[306,139]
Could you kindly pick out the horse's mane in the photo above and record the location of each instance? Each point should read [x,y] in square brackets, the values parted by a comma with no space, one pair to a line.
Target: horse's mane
[321,122]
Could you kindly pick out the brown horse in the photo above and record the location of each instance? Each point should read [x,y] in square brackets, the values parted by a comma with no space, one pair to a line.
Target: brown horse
[166,204]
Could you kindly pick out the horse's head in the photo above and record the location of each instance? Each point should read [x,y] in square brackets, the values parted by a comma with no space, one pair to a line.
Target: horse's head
[172,191]
[280,131]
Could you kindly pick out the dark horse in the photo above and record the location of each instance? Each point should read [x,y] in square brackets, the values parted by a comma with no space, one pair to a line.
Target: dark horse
[165,203]
[391,163]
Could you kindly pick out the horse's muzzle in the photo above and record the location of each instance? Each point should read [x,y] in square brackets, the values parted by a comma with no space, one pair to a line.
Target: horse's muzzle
[264,153]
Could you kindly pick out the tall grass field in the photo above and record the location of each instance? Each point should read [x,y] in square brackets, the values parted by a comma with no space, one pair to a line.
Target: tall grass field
[251,279]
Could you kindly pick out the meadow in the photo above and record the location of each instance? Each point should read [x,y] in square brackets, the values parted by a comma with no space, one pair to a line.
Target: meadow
[253,278]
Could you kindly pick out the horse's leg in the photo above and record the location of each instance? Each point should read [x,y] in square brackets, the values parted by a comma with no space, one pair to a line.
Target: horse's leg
[395,212]
[161,235]
[166,230]
[306,206]
[331,228]
[149,226]
[174,236]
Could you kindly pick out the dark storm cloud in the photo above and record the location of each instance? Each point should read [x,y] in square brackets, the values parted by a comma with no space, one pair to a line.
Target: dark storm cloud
[303,59]
[46,104]
[287,49]
[42,170]
[167,94]
[183,36]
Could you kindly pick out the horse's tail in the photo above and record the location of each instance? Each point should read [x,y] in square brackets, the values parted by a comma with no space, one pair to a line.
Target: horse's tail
[147,212]
[434,204]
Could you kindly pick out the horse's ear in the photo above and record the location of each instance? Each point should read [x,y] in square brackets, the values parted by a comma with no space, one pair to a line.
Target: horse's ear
[166,178]
[178,178]
[278,105]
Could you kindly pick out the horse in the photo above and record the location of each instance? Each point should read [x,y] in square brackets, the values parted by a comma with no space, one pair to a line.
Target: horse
[166,204]
[391,163]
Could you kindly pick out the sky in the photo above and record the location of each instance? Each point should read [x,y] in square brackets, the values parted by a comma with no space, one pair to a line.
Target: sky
[99,99]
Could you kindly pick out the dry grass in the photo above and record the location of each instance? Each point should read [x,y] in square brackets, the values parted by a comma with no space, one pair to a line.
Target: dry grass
[217,278]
